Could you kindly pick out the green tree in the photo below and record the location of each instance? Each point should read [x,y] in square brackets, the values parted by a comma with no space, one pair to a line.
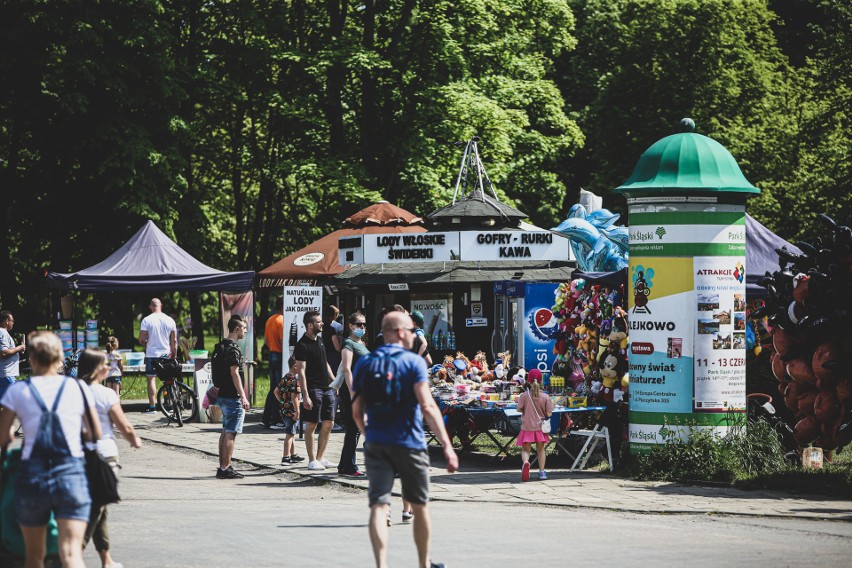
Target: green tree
[642,65]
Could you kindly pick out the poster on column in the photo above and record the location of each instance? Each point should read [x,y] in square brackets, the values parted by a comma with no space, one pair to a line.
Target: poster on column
[720,334]
[660,329]
[240,304]
[540,326]
[297,301]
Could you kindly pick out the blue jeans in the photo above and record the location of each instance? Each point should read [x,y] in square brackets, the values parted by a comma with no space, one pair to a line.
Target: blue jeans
[61,487]
[233,414]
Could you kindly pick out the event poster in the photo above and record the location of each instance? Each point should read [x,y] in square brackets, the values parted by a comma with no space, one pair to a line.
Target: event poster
[540,326]
[660,357]
[297,301]
[241,304]
[720,334]
[437,310]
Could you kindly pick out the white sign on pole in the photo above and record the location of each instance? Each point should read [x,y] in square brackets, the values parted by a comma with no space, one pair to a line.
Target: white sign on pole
[297,301]
[203,381]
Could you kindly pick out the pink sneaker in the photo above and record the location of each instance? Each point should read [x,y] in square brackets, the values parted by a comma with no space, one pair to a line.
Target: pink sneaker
[525,472]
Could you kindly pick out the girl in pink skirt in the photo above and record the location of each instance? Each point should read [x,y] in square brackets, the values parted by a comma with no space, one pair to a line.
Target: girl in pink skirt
[534,406]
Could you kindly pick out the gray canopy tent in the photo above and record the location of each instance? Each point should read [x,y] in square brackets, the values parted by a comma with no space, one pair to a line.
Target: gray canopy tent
[151,261]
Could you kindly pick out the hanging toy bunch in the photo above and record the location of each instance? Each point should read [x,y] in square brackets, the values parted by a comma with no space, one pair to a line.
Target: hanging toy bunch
[807,310]
[591,340]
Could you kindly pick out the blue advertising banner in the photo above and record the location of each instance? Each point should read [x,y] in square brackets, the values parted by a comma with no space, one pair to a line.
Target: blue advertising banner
[540,327]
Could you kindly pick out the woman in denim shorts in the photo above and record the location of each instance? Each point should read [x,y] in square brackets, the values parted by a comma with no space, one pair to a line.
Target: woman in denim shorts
[52,477]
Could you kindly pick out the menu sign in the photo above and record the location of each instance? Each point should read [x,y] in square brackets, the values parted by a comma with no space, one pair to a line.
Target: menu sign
[513,245]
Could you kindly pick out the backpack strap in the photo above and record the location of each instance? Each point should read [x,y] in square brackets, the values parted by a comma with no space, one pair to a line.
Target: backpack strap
[40,400]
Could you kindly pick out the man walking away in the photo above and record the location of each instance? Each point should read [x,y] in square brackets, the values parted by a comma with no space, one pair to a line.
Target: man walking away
[158,333]
[10,354]
[318,399]
[391,389]
[226,365]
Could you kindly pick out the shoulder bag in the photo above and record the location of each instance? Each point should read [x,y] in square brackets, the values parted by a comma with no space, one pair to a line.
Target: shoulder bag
[545,422]
[103,484]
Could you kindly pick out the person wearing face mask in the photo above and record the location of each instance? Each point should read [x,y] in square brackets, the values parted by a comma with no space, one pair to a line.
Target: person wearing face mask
[353,349]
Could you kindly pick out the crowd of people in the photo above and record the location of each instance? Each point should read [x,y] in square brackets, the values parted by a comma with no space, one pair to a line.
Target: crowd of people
[58,416]
[334,374]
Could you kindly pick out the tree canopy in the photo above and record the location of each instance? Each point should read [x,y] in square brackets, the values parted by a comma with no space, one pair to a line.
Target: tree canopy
[246,129]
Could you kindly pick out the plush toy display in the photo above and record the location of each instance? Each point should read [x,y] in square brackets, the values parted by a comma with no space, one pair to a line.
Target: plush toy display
[807,311]
[591,326]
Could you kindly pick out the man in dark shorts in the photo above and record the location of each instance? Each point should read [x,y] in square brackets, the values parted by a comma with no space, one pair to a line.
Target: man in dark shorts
[319,401]
[394,441]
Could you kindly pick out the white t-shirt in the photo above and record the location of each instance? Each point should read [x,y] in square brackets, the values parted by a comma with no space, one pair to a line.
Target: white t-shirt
[159,326]
[114,359]
[19,399]
[8,365]
[104,399]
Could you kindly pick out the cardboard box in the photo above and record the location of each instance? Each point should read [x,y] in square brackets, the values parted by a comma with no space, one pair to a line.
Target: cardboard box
[812,458]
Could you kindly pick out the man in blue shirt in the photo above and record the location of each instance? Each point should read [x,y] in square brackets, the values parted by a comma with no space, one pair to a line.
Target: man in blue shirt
[396,443]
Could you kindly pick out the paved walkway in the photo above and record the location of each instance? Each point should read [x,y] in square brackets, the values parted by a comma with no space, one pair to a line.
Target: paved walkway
[482,482]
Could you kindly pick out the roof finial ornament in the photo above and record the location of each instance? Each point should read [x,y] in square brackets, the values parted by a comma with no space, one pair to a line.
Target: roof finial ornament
[687,125]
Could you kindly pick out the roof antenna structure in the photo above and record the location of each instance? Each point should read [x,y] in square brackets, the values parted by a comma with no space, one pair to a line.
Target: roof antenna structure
[472,164]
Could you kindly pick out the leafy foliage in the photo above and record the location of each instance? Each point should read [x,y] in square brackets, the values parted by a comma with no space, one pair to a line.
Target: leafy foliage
[247,129]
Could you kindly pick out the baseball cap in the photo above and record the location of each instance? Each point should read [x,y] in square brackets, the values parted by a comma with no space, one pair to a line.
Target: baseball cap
[534,375]
[418,318]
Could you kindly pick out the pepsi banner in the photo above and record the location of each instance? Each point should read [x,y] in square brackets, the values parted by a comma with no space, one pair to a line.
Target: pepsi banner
[540,326]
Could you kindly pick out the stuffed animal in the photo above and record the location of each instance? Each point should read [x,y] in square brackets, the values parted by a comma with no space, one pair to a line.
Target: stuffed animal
[619,330]
[612,368]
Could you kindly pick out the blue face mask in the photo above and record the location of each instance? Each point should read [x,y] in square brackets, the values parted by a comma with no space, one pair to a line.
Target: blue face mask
[359,332]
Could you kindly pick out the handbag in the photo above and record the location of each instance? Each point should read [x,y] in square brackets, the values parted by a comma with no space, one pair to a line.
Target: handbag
[103,484]
[545,422]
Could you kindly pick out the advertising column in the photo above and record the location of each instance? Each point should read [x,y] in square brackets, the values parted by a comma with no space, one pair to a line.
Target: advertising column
[687,319]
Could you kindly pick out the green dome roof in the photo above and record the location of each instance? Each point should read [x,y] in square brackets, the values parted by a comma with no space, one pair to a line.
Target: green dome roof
[686,162]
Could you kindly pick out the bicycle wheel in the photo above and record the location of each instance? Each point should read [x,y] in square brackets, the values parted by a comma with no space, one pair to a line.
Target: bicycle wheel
[176,408]
[187,403]
[164,402]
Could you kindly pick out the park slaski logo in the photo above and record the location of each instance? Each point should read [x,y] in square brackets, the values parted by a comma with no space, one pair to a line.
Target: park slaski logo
[660,232]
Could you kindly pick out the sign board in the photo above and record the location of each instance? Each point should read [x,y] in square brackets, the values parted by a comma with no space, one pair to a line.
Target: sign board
[203,381]
[297,301]
[540,327]
[476,322]
[476,309]
[398,287]
[413,247]
[383,248]
[350,250]
[241,304]
[437,310]
[513,245]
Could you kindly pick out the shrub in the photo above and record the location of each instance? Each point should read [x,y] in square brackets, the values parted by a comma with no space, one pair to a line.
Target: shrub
[704,456]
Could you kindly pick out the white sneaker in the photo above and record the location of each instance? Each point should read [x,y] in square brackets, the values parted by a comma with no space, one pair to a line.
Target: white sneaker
[325,463]
[316,466]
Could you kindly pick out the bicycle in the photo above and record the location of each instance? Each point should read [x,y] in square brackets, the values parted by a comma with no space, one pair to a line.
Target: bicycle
[174,399]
